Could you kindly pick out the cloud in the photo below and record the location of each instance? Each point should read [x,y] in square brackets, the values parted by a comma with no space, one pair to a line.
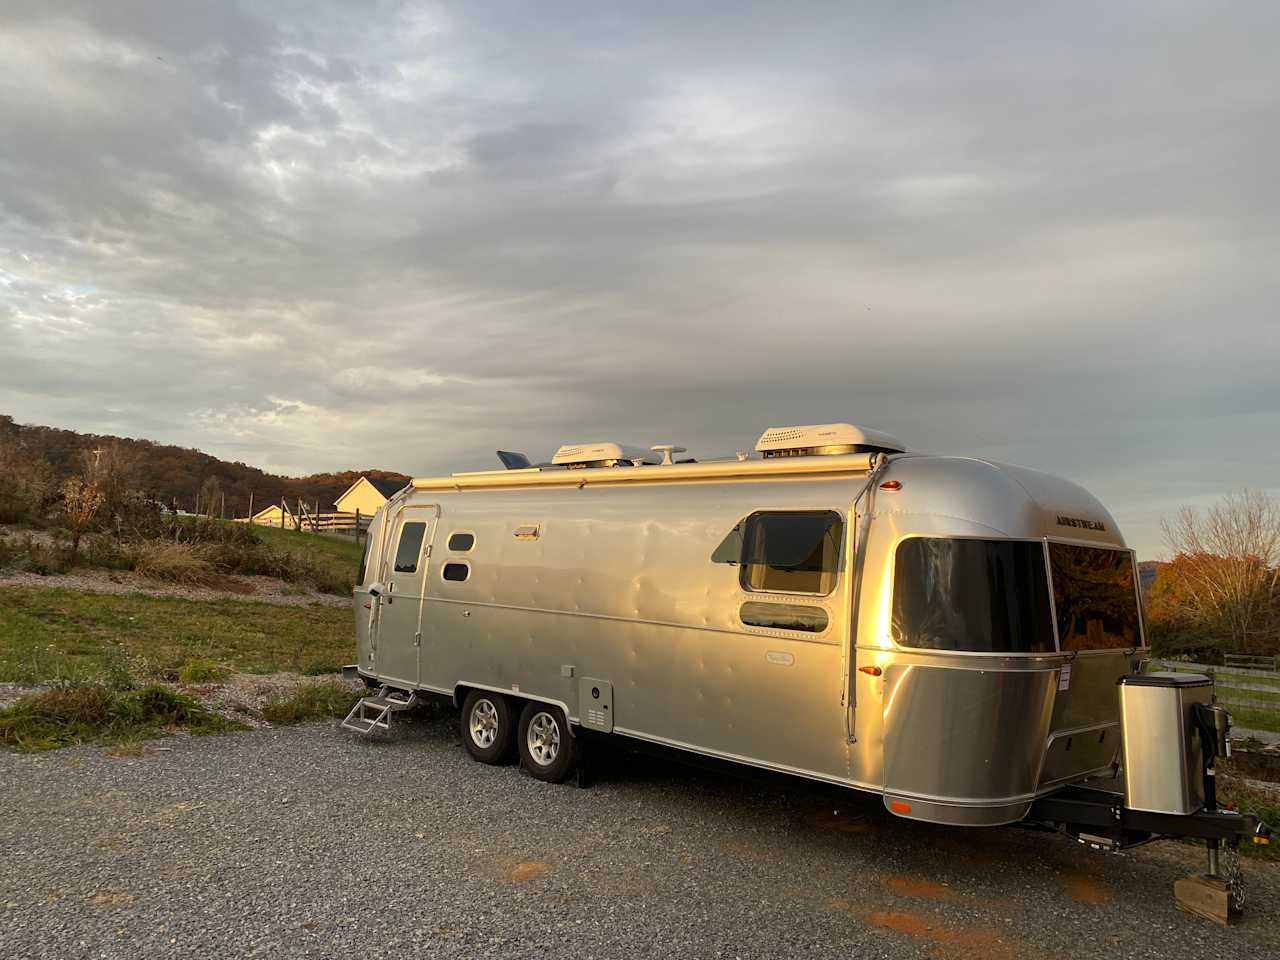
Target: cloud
[314,236]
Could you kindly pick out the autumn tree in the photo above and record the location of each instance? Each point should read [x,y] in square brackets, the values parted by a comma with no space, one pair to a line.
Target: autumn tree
[80,504]
[1226,567]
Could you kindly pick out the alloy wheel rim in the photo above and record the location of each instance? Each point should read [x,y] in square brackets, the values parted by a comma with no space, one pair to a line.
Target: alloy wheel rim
[484,723]
[543,739]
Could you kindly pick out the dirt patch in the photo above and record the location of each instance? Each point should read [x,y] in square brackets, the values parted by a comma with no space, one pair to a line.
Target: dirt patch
[950,942]
[526,870]
[111,899]
[904,886]
[1083,888]
[744,851]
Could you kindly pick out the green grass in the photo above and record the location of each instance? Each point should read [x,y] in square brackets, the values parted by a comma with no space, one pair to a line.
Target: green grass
[311,703]
[341,555]
[1235,692]
[1254,718]
[94,713]
[67,637]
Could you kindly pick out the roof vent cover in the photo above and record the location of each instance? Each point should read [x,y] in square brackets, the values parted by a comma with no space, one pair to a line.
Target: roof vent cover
[576,455]
[825,439]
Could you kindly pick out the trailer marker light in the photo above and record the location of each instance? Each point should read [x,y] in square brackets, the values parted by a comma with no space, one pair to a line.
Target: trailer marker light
[891,485]
[870,671]
[898,806]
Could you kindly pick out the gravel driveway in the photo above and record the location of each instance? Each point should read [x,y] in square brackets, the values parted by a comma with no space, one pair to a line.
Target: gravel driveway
[308,842]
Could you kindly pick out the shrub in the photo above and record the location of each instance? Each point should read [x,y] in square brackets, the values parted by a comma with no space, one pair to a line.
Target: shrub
[57,718]
[167,560]
[104,551]
[317,668]
[315,702]
[29,555]
[201,671]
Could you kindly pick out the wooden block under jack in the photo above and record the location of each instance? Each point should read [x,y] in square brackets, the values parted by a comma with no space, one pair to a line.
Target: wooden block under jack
[1205,896]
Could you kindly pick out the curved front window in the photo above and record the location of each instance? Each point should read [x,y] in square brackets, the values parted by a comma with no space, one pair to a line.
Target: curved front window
[981,596]
[1095,596]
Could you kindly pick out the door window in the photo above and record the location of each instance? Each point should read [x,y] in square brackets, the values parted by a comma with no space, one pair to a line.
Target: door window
[410,547]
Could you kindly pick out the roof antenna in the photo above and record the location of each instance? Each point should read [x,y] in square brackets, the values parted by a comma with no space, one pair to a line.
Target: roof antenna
[667,449]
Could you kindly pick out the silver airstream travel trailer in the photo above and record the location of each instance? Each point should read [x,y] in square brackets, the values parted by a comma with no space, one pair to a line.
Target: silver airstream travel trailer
[950,633]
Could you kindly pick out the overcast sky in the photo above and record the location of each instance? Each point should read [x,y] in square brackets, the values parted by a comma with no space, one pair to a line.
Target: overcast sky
[315,236]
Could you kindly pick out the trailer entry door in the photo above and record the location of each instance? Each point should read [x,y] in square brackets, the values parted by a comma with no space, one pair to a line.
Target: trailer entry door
[406,557]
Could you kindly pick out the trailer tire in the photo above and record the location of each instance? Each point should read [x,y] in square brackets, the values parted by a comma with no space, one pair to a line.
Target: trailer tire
[547,748]
[488,727]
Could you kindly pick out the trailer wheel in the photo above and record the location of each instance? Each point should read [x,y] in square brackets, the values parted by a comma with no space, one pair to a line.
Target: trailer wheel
[547,750]
[487,726]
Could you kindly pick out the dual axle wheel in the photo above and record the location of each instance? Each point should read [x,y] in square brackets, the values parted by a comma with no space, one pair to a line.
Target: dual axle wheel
[492,733]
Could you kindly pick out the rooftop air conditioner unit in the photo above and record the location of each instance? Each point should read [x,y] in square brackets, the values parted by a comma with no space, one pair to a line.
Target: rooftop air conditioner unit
[576,455]
[825,439]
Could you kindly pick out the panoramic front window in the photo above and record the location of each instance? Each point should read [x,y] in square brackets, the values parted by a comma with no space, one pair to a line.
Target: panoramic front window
[410,546]
[791,552]
[1095,598]
[985,596]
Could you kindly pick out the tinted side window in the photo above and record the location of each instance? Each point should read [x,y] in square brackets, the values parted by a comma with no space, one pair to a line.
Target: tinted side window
[461,542]
[1093,591]
[456,571]
[410,547]
[977,595]
[791,552]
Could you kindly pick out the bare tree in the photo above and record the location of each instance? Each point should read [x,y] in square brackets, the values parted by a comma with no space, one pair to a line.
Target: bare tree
[1228,562]
[113,469]
[210,495]
[80,502]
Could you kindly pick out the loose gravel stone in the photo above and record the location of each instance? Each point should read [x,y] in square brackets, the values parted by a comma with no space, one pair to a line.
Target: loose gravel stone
[311,842]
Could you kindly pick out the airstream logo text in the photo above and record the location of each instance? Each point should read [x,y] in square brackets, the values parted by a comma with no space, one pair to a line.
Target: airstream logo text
[1082,524]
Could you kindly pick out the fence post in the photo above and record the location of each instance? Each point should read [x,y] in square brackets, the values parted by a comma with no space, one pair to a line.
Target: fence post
[251,508]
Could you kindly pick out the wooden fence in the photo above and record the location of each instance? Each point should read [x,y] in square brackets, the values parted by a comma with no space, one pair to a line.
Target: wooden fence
[1245,679]
[303,518]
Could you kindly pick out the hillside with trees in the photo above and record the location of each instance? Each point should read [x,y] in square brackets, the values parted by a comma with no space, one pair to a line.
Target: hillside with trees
[46,457]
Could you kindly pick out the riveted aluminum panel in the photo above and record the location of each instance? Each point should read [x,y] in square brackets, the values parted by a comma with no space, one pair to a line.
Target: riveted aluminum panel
[963,734]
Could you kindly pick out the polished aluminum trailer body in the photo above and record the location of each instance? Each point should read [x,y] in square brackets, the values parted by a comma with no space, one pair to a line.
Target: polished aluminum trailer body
[599,591]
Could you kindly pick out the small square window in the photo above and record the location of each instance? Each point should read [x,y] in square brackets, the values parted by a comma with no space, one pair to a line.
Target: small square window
[461,542]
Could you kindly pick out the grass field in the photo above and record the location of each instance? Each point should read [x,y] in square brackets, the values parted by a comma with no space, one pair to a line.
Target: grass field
[337,558]
[64,636]
[1224,690]
[340,552]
